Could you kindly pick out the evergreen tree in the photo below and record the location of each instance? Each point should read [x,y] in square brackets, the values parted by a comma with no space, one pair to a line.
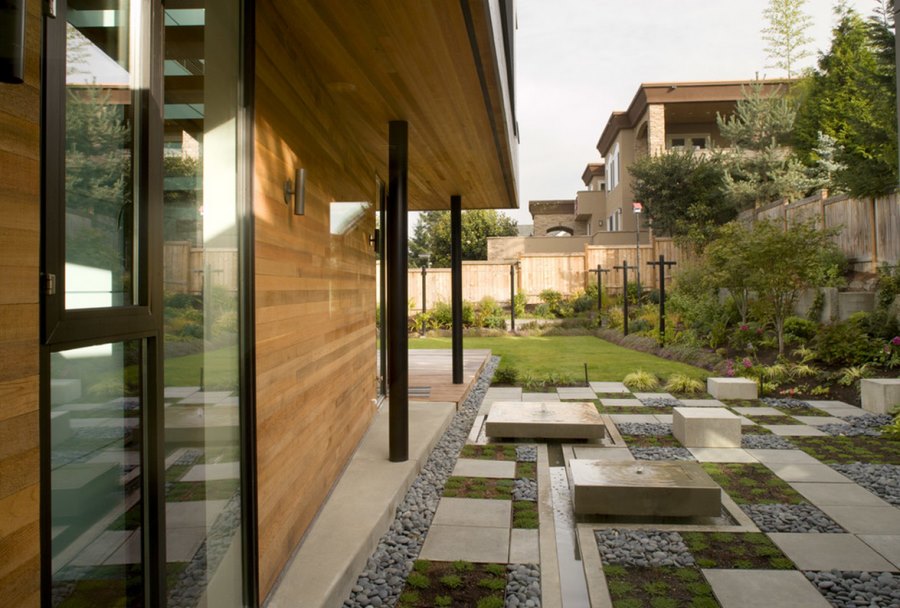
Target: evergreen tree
[432,235]
[786,34]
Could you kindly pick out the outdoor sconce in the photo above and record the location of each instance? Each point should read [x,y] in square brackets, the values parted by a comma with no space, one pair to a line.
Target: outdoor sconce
[12,41]
[295,190]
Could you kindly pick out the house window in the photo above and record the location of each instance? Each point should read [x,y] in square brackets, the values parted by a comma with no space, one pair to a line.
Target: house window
[613,169]
[689,142]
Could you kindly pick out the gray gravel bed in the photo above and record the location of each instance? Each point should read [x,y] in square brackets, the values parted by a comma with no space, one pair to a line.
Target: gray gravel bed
[644,429]
[526,453]
[661,402]
[384,576]
[643,548]
[853,589]
[661,453]
[791,518]
[525,489]
[883,480]
[868,426]
[785,402]
[766,442]
[523,586]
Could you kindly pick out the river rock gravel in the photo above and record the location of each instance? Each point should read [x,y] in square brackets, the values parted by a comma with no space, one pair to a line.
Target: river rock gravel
[644,429]
[856,589]
[643,548]
[766,442]
[868,426]
[883,480]
[661,453]
[523,586]
[791,518]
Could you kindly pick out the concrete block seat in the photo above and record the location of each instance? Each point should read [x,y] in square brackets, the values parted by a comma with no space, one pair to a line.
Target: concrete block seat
[546,420]
[731,388]
[706,427]
[880,395]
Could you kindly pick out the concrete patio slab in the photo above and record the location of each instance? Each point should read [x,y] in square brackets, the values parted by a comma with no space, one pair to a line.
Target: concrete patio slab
[664,418]
[865,520]
[817,473]
[762,410]
[205,397]
[537,397]
[767,456]
[575,392]
[608,387]
[474,512]
[838,408]
[193,513]
[819,420]
[213,472]
[721,455]
[794,430]
[830,552]
[604,454]
[706,427]
[570,420]
[764,589]
[838,495]
[621,403]
[888,546]
[524,547]
[179,392]
[475,544]
[638,418]
[702,402]
[497,469]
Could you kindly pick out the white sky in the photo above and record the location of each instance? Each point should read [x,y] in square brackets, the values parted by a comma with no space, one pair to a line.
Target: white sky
[579,60]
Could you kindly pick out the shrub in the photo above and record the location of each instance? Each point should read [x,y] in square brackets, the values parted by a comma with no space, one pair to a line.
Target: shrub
[844,344]
[520,301]
[442,313]
[800,328]
[888,285]
[417,580]
[641,381]
[679,383]
[583,302]
[557,305]
[505,375]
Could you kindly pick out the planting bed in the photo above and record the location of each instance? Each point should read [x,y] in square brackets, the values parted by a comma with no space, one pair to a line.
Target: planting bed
[490,451]
[666,587]
[479,487]
[750,550]
[460,583]
[752,484]
[845,450]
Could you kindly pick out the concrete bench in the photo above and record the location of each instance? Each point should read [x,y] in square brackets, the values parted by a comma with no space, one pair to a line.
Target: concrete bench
[731,388]
[706,427]
[880,395]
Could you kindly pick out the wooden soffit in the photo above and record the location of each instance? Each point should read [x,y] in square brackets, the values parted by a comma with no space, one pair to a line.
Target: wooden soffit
[439,65]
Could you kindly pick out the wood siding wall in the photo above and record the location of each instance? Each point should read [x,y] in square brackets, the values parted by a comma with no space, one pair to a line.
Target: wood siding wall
[19,260]
[315,293]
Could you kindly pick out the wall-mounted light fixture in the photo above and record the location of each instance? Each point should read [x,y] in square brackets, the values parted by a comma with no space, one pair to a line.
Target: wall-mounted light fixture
[12,41]
[296,190]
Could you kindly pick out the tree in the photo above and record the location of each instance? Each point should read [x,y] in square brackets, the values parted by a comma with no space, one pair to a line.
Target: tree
[786,34]
[852,99]
[432,235]
[683,195]
[729,264]
[760,167]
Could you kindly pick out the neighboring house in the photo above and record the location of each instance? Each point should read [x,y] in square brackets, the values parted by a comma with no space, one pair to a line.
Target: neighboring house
[188,351]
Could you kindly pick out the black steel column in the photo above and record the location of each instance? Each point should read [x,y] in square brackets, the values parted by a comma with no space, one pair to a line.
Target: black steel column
[424,309]
[662,263]
[456,299]
[599,272]
[512,298]
[624,269]
[398,285]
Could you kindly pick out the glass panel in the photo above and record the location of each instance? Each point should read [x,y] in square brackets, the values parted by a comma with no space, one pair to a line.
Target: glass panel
[95,475]
[101,77]
[202,432]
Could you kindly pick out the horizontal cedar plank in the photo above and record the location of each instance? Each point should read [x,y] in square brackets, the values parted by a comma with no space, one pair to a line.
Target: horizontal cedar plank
[19,510]
[18,359]
[18,396]
[18,322]
[18,548]
[21,285]
[18,471]
[21,136]
[21,587]
[18,435]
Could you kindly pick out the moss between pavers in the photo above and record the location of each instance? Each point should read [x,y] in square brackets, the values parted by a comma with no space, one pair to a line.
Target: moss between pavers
[525,515]
[801,411]
[752,484]
[526,470]
[638,409]
[664,587]
[217,489]
[845,450]
[454,584]
[479,487]
[750,550]
[773,419]
[489,451]
[651,441]
[615,396]
[755,429]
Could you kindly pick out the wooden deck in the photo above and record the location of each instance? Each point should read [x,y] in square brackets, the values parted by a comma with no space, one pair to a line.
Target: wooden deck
[433,369]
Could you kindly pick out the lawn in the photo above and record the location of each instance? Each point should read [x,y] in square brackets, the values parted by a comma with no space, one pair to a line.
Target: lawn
[220,369]
[540,355]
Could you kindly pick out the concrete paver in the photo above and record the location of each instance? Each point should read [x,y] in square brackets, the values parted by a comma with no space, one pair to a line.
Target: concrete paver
[887,545]
[807,473]
[539,397]
[495,469]
[767,456]
[722,455]
[524,547]
[764,589]
[473,512]
[605,454]
[865,520]
[575,392]
[633,418]
[664,418]
[608,387]
[475,544]
[794,430]
[820,420]
[838,494]
[830,552]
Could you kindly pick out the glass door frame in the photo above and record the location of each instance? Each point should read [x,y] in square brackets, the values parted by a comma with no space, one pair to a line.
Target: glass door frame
[63,329]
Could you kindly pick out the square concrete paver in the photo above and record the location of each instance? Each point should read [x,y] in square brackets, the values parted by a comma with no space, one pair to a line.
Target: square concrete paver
[605,454]
[887,545]
[640,418]
[621,402]
[475,544]
[794,430]
[609,387]
[865,520]
[475,512]
[721,455]
[664,418]
[838,408]
[762,410]
[764,589]
[807,472]
[216,471]
[702,402]
[524,547]
[575,392]
[497,469]
[538,397]
[819,420]
[830,552]
[767,456]
[838,494]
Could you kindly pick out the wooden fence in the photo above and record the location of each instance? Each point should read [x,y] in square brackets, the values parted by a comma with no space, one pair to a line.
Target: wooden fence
[187,267]
[868,230]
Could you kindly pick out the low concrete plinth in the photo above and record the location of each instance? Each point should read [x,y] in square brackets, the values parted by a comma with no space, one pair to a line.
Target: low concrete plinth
[673,489]
[60,427]
[706,427]
[545,419]
[731,388]
[880,395]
